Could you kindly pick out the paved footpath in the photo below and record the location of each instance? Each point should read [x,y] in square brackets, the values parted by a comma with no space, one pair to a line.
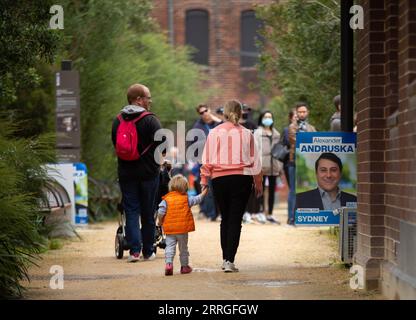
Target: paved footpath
[275,262]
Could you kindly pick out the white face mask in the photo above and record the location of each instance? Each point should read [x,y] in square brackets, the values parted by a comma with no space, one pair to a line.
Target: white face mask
[267,122]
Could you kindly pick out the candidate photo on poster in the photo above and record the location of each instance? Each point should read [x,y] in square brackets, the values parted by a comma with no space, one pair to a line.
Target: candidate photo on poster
[328,194]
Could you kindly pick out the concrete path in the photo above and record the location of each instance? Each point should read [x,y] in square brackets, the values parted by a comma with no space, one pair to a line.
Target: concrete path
[275,262]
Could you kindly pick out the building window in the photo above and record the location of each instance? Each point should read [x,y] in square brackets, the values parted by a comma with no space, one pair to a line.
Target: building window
[197,34]
[250,26]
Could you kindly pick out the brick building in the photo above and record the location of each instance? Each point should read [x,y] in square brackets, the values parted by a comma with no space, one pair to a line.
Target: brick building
[386,113]
[386,106]
[224,32]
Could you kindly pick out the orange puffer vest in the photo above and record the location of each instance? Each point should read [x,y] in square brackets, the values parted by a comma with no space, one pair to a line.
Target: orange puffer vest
[178,218]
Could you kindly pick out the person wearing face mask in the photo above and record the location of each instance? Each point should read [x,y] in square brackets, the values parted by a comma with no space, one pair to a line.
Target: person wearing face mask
[267,137]
[253,204]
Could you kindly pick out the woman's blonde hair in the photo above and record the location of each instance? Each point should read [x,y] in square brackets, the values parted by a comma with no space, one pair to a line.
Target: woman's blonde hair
[233,111]
[178,183]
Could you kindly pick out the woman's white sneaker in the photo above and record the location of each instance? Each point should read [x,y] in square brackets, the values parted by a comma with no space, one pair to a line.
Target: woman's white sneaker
[229,267]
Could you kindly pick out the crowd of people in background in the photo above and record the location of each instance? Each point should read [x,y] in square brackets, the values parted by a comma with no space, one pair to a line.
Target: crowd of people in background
[235,192]
[276,173]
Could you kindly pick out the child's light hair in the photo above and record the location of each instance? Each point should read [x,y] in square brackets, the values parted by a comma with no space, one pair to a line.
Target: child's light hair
[178,183]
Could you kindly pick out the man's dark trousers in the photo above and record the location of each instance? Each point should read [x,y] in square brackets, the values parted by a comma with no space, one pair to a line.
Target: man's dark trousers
[139,201]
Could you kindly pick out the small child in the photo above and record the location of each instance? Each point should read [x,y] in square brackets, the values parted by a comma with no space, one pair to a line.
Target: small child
[175,215]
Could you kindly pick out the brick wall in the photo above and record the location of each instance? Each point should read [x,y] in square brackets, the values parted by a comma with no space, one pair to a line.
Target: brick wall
[386,74]
[371,140]
[224,73]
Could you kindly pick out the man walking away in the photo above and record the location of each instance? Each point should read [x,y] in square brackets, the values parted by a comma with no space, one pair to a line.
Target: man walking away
[138,172]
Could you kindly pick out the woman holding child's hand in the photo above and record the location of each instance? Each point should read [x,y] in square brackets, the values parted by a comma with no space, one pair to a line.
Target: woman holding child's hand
[230,159]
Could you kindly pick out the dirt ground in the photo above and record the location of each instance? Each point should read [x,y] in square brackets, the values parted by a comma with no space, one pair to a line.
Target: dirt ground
[275,262]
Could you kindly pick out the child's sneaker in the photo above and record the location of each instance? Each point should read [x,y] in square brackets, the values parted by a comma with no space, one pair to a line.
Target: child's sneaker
[133,257]
[169,269]
[186,269]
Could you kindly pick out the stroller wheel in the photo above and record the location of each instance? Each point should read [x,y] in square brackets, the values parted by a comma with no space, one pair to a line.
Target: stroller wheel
[162,244]
[119,250]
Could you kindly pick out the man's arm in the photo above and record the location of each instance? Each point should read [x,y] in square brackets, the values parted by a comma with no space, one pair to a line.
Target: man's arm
[154,126]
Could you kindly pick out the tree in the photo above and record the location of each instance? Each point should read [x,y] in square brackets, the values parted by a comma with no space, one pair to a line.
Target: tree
[26,47]
[112,56]
[25,41]
[302,54]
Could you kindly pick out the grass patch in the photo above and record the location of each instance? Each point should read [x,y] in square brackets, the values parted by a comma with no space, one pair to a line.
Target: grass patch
[55,244]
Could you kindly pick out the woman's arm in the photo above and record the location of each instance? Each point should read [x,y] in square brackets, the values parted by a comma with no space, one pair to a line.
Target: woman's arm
[206,168]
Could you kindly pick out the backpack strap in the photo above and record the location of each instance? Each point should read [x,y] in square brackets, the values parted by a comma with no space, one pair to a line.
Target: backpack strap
[142,115]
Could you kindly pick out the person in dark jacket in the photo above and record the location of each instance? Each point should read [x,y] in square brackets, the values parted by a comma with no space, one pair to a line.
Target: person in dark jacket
[206,122]
[327,196]
[139,179]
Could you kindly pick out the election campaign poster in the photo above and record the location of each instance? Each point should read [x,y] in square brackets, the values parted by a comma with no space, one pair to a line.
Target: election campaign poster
[326,177]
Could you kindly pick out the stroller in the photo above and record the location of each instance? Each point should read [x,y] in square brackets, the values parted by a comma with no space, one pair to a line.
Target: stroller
[121,243]
[160,238]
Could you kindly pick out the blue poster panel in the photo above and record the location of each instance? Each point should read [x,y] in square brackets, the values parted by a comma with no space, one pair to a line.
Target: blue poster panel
[326,176]
[81,193]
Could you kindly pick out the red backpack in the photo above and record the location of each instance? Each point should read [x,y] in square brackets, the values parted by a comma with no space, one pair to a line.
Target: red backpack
[127,138]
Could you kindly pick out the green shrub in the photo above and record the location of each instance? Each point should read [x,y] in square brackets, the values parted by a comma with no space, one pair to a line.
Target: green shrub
[23,177]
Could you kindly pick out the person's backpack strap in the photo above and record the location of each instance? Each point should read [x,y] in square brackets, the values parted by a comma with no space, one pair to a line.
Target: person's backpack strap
[120,118]
[142,115]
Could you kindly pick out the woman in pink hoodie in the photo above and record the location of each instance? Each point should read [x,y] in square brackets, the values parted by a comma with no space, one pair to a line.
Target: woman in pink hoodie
[231,160]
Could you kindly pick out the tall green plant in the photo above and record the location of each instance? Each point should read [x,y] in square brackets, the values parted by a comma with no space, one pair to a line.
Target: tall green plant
[25,40]
[23,179]
[302,55]
[112,56]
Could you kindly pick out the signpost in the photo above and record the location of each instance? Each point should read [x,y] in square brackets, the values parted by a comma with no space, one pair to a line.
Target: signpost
[68,126]
[68,141]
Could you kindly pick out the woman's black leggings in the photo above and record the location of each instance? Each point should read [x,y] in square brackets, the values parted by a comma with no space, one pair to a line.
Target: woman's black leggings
[272,185]
[231,193]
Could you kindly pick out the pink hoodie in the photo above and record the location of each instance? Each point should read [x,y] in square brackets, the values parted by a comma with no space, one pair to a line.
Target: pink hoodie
[230,150]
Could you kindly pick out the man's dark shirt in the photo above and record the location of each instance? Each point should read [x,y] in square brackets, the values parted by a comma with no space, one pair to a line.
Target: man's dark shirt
[250,125]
